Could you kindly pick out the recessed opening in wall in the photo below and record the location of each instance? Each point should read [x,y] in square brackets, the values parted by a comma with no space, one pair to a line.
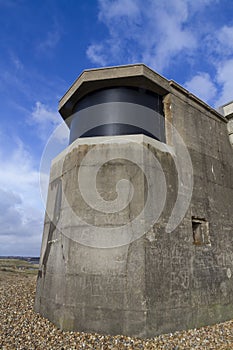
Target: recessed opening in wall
[200,229]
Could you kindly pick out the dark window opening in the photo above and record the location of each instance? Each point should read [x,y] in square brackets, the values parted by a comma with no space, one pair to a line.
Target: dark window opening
[200,229]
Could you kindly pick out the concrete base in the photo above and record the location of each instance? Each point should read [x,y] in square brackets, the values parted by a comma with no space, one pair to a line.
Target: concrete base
[97,273]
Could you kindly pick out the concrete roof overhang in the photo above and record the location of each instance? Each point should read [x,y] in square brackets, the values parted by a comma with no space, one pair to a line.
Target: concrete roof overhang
[136,75]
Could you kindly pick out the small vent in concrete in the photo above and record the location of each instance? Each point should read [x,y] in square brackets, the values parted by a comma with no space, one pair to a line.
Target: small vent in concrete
[200,231]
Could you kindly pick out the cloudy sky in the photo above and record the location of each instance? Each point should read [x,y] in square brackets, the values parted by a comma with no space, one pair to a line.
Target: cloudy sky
[45,45]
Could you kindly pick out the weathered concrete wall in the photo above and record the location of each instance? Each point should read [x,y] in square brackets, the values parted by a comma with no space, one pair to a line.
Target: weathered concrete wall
[91,287]
[99,274]
[195,281]
[161,281]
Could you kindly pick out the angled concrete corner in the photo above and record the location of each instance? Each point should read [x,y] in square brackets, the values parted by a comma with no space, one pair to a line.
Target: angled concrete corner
[227,111]
[91,263]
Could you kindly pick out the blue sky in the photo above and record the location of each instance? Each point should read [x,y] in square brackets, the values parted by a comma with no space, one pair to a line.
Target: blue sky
[45,45]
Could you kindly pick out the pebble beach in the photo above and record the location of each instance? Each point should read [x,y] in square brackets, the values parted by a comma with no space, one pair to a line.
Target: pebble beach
[22,328]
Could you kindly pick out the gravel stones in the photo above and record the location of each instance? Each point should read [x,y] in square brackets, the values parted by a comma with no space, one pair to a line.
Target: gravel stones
[21,328]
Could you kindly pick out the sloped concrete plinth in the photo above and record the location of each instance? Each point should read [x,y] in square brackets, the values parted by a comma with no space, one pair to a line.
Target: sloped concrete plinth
[134,280]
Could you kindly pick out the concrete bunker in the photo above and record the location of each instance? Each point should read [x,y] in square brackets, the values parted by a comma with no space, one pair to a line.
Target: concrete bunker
[157,281]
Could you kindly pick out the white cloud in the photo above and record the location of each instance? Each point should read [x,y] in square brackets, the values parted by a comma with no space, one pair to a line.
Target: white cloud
[16,61]
[47,121]
[23,183]
[170,36]
[202,86]
[51,40]
[219,51]
[158,33]
[153,32]
[95,54]
[17,170]
[225,41]
[112,9]
[42,115]
[225,80]
[15,220]
[55,134]
[21,207]
[55,144]
[9,204]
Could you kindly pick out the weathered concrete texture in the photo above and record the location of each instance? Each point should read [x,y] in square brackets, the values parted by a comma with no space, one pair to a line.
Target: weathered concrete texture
[157,283]
[230,129]
[154,282]
[87,288]
[227,111]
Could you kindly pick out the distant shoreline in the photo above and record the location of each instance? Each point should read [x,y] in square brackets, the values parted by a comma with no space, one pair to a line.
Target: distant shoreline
[31,259]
